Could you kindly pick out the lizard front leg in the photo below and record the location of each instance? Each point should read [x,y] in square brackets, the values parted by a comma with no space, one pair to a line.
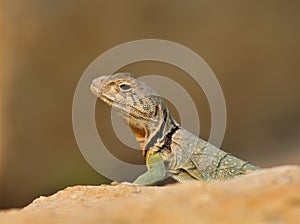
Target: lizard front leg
[156,171]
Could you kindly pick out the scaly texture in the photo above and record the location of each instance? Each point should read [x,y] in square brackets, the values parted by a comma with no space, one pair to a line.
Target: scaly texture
[170,150]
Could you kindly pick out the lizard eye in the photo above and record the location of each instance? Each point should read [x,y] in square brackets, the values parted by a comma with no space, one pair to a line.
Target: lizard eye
[125,87]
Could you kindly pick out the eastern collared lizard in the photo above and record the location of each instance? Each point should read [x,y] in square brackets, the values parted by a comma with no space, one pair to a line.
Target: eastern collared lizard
[170,150]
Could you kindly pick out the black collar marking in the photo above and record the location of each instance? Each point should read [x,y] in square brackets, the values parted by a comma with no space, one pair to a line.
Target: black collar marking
[168,139]
[158,134]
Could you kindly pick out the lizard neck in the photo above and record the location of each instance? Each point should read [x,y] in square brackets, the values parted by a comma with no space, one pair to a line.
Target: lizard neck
[156,133]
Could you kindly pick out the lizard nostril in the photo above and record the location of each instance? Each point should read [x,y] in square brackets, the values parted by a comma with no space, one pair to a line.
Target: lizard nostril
[99,80]
[95,82]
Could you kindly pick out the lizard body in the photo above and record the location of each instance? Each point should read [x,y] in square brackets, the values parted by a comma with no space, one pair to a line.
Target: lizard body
[170,150]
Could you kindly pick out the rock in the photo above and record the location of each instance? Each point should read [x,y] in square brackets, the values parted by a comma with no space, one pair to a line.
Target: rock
[266,196]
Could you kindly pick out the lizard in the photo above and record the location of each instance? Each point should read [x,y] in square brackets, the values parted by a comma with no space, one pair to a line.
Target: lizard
[169,149]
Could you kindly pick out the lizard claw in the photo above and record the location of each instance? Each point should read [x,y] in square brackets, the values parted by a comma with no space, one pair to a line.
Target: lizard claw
[114,183]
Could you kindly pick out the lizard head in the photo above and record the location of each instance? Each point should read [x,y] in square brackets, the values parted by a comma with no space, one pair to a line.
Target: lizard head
[137,103]
[127,95]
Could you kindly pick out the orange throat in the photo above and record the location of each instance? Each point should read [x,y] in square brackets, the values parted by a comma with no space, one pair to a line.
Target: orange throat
[140,135]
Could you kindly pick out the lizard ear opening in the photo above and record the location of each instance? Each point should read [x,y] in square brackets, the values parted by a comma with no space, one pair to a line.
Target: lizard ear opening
[156,111]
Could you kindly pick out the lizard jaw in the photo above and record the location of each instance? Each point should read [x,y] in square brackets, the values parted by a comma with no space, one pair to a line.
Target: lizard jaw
[96,91]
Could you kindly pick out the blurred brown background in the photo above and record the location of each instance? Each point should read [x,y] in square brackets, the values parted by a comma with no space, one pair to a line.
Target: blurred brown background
[252,46]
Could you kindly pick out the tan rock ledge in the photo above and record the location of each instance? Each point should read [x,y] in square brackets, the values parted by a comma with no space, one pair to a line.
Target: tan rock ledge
[266,196]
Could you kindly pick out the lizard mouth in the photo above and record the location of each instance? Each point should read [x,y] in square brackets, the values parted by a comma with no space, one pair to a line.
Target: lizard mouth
[97,92]
[105,99]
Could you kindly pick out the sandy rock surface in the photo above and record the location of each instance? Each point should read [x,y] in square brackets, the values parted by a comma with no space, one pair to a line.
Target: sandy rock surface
[267,196]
